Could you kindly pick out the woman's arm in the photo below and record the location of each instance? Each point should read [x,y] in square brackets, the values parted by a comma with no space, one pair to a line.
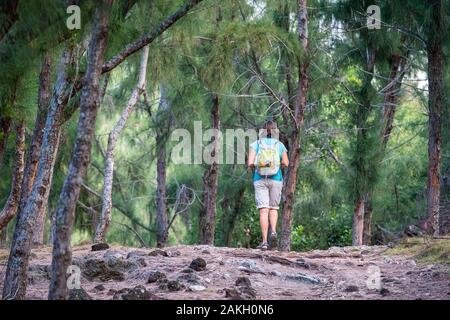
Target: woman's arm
[284,160]
[251,158]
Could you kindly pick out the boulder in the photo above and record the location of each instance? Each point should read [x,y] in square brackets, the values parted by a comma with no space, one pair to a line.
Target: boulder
[113,266]
[196,288]
[99,288]
[243,281]
[100,247]
[351,288]
[190,279]
[136,293]
[243,290]
[78,294]
[156,276]
[158,252]
[198,264]
[174,285]
[187,270]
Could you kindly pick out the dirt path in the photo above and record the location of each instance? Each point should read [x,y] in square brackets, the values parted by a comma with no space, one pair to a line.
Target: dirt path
[337,273]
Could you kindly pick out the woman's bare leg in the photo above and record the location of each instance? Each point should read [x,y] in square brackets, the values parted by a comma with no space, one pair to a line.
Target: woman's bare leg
[264,221]
[273,217]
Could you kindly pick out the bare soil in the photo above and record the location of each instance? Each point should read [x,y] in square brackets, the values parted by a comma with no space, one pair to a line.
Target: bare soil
[337,273]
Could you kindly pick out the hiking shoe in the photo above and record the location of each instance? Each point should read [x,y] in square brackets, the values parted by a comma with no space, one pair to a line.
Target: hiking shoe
[273,243]
[263,246]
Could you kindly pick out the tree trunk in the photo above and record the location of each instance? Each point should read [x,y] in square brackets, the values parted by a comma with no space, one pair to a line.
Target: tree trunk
[290,182]
[390,106]
[362,215]
[12,203]
[105,218]
[65,211]
[234,214]
[161,190]
[391,97]
[5,126]
[35,148]
[210,180]
[435,106]
[8,11]
[16,272]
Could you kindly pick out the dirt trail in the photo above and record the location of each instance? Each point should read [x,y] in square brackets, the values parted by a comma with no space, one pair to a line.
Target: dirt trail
[337,273]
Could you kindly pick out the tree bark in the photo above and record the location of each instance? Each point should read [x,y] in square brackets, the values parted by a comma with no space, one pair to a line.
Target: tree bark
[161,190]
[8,12]
[114,135]
[5,127]
[89,102]
[35,148]
[391,97]
[290,182]
[234,214]
[389,108]
[10,208]
[362,212]
[435,107]
[16,272]
[210,181]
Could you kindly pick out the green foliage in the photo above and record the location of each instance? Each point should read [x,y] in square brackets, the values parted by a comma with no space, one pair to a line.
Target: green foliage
[217,49]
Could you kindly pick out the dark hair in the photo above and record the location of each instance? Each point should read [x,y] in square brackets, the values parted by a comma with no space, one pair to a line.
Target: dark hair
[268,127]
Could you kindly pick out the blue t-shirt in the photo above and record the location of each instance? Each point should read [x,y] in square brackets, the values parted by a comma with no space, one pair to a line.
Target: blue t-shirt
[281,148]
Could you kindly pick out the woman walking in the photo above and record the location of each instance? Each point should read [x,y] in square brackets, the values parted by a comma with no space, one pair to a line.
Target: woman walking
[267,155]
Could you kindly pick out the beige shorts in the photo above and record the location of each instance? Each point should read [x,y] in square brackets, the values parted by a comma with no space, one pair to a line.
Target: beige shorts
[268,193]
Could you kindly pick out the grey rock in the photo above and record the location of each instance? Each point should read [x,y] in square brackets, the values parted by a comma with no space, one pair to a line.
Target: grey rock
[351,288]
[301,277]
[158,252]
[187,270]
[78,294]
[198,264]
[99,288]
[136,293]
[196,288]
[100,247]
[243,281]
[190,279]
[174,285]
[155,276]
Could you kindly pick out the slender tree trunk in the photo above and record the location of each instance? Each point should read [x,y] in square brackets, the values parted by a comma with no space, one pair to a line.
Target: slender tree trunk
[35,148]
[12,203]
[8,11]
[390,106]
[16,272]
[391,97]
[210,180]
[358,222]
[290,182]
[114,135]
[362,215]
[3,238]
[161,190]
[234,214]
[89,102]
[435,106]
[5,126]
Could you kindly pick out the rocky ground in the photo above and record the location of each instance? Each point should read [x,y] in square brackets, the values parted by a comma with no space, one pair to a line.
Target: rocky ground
[204,272]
